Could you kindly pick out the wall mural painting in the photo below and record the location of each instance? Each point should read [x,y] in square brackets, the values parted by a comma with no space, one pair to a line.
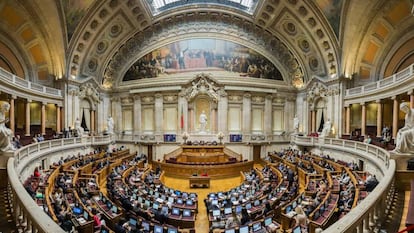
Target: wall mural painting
[202,55]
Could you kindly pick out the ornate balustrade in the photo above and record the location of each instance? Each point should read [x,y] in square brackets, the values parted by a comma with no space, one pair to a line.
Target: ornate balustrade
[24,88]
[23,205]
[371,210]
[400,82]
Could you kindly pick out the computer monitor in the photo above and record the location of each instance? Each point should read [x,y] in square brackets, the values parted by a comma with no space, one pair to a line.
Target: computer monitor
[163,197]
[104,231]
[175,211]
[216,213]
[244,229]
[227,210]
[172,230]
[249,205]
[179,201]
[294,204]
[296,229]
[114,209]
[109,204]
[232,230]
[239,209]
[85,215]
[158,229]
[157,194]
[288,209]
[147,203]
[145,225]
[257,202]
[171,199]
[133,222]
[151,192]
[164,209]
[189,202]
[155,206]
[140,199]
[214,202]
[77,210]
[268,221]
[186,213]
[177,192]
[256,226]
[193,195]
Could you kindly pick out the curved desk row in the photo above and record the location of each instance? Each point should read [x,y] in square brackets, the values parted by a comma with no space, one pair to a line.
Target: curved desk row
[213,171]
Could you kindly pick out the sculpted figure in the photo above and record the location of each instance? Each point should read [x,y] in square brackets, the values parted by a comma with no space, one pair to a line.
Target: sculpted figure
[404,142]
[110,125]
[6,134]
[326,131]
[203,121]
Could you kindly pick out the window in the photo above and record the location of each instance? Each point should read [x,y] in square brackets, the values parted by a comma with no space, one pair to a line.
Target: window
[158,6]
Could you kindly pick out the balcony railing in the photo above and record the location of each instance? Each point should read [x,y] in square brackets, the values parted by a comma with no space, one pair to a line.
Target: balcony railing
[384,84]
[23,84]
[371,210]
[24,206]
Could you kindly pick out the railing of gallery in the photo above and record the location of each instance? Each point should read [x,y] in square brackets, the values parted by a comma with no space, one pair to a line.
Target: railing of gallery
[371,210]
[23,205]
[20,83]
[399,78]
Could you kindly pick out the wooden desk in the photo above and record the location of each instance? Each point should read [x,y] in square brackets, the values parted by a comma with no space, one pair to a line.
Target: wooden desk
[199,181]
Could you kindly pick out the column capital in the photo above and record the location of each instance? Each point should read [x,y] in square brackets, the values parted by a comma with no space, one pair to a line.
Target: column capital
[28,100]
[247,95]
[378,101]
[44,103]
[362,103]
[13,97]
[410,92]
[158,95]
[137,97]
[394,97]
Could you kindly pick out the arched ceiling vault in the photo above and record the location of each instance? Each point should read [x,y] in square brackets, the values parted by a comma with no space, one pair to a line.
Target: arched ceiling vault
[292,34]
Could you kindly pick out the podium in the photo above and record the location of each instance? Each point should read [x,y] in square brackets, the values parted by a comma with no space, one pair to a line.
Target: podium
[199,181]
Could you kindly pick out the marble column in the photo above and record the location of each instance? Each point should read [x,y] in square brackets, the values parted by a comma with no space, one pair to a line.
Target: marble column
[12,113]
[268,115]
[27,123]
[58,120]
[379,118]
[117,113]
[313,121]
[137,115]
[395,111]
[247,114]
[190,113]
[411,94]
[213,124]
[92,121]
[363,118]
[348,119]
[222,112]
[159,115]
[43,118]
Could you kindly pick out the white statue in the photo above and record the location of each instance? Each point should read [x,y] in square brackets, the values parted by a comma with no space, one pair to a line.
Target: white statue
[326,131]
[203,121]
[79,129]
[296,124]
[110,125]
[404,142]
[6,134]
